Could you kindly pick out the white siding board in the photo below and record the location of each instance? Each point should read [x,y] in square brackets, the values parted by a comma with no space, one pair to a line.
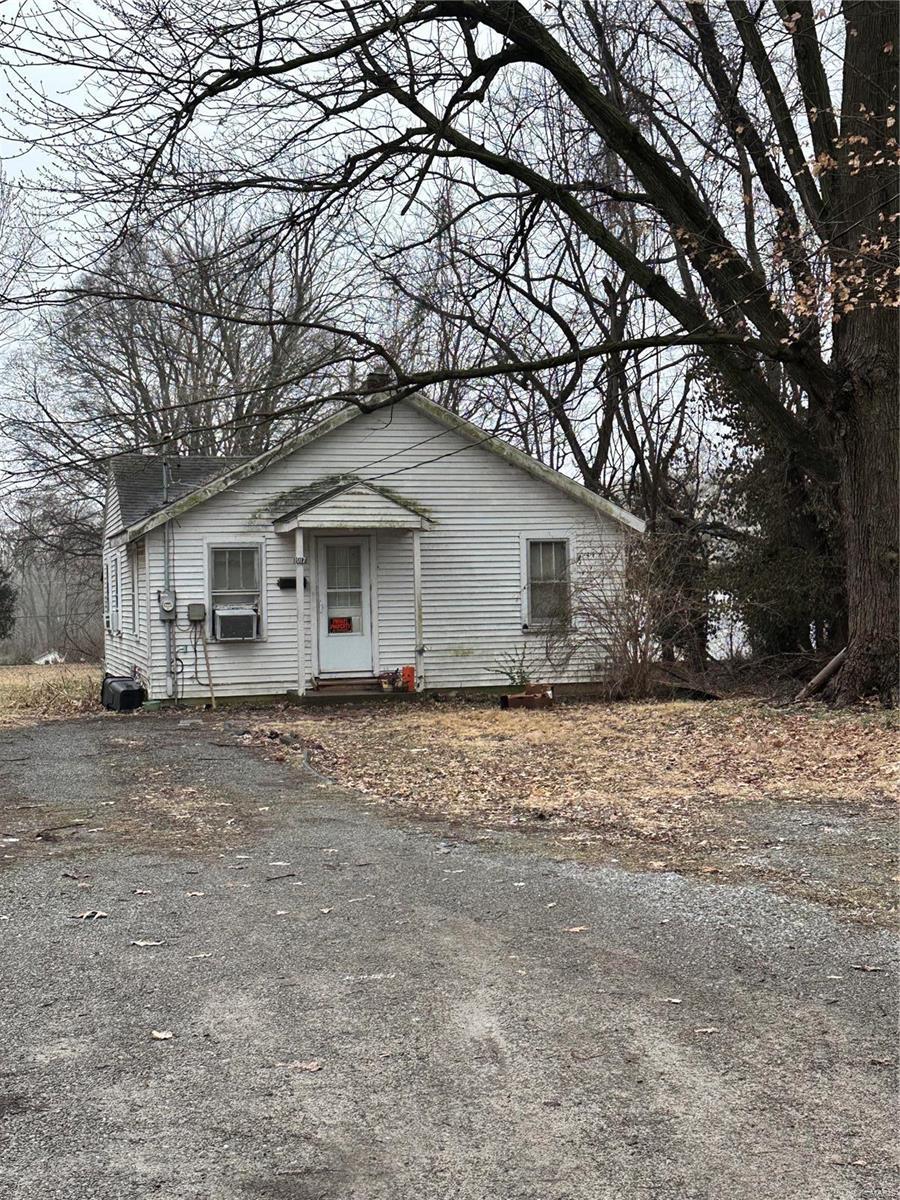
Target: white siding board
[472,571]
[396,602]
[125,648]
[122,651]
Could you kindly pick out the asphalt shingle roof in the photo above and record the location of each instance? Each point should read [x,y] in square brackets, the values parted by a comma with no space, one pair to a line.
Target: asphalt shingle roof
[138,479]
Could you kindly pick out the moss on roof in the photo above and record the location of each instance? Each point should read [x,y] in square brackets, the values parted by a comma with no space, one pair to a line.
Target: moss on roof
[297,500]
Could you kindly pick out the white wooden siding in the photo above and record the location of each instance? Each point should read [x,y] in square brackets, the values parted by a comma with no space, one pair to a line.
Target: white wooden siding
[126,645]
[396,601]
[472,565]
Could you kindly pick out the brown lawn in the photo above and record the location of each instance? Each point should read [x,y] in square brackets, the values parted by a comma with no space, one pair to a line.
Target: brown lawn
[29,693]
[801,796]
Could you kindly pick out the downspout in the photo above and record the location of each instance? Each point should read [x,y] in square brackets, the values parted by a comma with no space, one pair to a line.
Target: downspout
[169,625]
[419,618]
[299,577]
[167,589]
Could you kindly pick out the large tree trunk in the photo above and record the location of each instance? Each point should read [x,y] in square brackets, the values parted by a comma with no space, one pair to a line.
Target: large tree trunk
[869,463]
[866,347]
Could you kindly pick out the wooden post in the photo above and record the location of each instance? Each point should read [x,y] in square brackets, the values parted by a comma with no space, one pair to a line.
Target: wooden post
[417,600]
[209,678]
[299,568]
[818,681]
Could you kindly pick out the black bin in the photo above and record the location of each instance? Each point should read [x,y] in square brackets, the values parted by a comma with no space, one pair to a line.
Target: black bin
[121,693]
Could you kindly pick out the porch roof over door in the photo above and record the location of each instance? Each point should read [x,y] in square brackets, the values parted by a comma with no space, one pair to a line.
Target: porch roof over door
[344,502]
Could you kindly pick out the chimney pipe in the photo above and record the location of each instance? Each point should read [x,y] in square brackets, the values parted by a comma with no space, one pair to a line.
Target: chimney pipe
[377,381]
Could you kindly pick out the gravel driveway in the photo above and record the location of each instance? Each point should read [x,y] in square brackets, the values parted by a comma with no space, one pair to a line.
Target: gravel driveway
[361,1009]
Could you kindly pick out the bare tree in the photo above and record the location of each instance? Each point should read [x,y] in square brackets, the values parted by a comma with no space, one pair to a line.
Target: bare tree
[18,229]
[183,341]
[51,556]
[695,126]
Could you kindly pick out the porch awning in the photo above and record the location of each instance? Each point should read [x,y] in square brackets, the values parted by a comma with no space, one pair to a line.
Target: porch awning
[344,502]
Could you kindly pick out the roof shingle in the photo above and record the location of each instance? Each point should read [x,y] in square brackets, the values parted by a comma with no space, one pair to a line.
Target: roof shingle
[138,480]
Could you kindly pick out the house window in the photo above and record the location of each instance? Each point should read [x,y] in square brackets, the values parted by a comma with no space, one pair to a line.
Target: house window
[548,583]
[132,564]
[139,582]
[235,577]
[107,611]
[117,594]
[112,617]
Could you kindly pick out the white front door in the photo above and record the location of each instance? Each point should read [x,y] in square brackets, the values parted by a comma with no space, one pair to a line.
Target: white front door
[345,606]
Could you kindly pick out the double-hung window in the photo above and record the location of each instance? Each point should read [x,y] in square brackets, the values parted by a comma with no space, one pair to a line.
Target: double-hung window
[235,573]
[548,583]
[131,562]
[107,599]
[112,594]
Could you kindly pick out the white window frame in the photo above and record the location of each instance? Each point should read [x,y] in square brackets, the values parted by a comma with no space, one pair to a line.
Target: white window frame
[541,624]
[259,546]
[140,577]
[112,594]
[117,579]
[107,611]
[131,563]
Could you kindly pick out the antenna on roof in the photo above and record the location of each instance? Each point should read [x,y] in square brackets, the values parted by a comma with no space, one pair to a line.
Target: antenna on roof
[166,479]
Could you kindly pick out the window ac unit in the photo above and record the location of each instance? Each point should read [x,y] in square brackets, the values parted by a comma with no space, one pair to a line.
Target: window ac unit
[236,623]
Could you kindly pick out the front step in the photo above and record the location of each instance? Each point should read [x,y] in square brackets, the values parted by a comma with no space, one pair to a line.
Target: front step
[361,683]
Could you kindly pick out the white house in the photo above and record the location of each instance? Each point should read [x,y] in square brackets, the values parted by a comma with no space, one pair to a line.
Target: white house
[402,538]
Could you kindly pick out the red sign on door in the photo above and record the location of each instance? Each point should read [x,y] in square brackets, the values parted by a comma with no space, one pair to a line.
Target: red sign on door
[340,624]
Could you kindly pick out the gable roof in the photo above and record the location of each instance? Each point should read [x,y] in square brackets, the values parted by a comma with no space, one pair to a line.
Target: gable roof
[299,500]
[328,499]
[244,468]
[139,484]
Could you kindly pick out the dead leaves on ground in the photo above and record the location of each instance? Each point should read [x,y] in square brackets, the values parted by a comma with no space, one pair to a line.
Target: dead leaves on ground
[645,766]
[678,786]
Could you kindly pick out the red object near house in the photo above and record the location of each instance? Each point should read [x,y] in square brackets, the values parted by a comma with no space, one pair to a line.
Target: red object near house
[408,679]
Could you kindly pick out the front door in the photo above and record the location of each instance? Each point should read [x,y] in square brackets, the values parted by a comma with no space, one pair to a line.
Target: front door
[345,607]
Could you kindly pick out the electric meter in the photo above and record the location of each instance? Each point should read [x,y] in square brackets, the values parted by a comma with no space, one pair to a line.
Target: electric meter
[167,606]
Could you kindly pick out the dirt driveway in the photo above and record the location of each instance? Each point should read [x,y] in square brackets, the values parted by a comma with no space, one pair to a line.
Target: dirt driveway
[363,1007]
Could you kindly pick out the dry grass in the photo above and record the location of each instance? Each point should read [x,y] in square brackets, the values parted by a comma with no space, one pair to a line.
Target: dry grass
[32,692]
[647,762]
[686,786]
